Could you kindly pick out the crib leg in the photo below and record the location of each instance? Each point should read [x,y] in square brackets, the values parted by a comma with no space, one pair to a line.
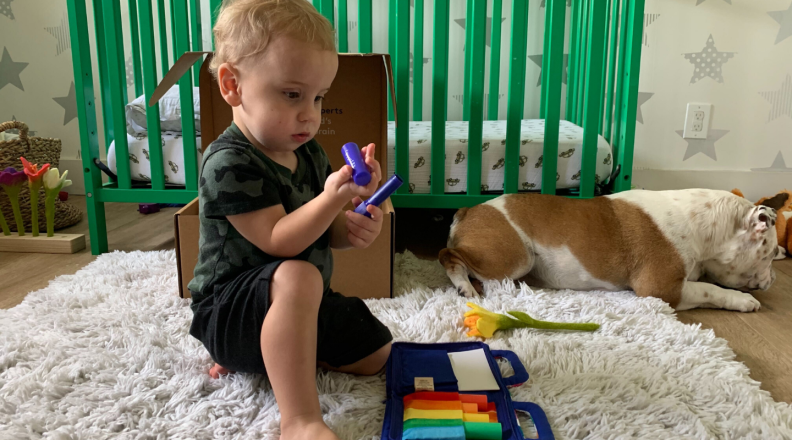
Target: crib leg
[97,224]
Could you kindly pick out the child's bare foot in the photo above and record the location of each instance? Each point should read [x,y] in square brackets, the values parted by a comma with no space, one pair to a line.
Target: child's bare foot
[300,430]
[218,371]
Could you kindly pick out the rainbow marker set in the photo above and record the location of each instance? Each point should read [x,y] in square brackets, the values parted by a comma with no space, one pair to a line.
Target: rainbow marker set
[445,412]
[450,416]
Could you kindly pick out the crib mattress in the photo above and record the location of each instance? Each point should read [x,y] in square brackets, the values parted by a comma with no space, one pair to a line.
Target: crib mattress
[140,162]
[570,150]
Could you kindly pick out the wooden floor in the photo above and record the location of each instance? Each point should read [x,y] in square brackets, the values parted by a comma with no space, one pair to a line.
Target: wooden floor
[762,340]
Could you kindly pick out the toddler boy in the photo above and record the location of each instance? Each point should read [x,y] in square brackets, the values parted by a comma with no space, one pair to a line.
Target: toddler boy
[270,212]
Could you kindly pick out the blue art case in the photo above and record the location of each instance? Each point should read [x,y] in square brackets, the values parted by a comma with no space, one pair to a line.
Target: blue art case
[410,360]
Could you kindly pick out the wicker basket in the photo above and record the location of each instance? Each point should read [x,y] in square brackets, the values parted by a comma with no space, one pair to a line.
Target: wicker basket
[35,150]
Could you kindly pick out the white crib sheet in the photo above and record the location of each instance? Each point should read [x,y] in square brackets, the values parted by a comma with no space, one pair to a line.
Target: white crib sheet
[140,163]
[570,148]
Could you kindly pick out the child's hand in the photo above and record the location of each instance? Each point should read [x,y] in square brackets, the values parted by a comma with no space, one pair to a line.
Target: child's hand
[362,231]
[341,184]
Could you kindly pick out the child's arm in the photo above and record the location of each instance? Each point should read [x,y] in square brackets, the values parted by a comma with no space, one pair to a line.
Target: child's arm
[281,235]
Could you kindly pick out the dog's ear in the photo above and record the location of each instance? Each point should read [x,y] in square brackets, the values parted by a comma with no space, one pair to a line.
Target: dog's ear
[776,202]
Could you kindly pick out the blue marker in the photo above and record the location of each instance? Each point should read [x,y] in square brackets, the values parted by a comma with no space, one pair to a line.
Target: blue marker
[360,172]
[381,195]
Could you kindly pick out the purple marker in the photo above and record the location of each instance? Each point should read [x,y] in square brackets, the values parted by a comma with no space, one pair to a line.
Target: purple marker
[360,172]
[382,193]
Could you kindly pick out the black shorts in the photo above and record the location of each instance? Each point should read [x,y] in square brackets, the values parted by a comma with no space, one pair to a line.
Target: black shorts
[228,323]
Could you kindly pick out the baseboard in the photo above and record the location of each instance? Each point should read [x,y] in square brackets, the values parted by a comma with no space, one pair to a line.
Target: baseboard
[753,184]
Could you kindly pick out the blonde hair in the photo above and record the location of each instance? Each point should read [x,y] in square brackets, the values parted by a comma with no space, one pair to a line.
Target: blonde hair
[244,28]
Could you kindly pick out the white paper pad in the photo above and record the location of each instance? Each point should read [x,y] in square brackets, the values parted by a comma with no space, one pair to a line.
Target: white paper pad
[472,371]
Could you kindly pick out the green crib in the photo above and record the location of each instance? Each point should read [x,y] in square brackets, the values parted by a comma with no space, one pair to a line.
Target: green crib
[604,40]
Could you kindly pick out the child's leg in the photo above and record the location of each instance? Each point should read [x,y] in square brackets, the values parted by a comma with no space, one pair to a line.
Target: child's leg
[368,366]
[288,347]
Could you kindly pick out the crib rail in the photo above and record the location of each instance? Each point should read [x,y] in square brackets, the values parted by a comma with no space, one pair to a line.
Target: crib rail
[178,28]
[604,43]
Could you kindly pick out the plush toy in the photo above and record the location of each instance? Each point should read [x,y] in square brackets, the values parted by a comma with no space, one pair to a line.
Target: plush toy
[782,203]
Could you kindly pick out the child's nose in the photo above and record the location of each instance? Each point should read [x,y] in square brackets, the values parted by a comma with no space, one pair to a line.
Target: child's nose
[308,114]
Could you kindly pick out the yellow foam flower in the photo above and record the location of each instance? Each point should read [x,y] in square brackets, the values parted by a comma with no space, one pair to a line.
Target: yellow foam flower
[484,323]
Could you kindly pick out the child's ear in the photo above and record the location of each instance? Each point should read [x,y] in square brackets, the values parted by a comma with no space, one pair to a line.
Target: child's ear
[228,81]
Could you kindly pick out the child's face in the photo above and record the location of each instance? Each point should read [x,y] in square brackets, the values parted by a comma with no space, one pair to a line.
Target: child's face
[280,94]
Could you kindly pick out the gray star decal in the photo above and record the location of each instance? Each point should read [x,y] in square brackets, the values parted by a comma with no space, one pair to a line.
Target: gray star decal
[781,100]
[61,33]
[5,9]
[648,19]
[778,165]
[704,146]
[461,22]
[130,72]
[708,62]
[784,19]
[642,98]
[537,59]
[69,103]
[698,2]
[9,71]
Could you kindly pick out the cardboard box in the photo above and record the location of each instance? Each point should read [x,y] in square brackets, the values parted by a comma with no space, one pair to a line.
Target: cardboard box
[354,110]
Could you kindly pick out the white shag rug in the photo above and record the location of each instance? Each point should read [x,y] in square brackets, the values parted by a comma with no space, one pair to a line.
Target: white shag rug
[106,353]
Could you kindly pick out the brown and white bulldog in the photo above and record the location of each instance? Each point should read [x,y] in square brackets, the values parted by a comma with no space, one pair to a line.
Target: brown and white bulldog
[656,243]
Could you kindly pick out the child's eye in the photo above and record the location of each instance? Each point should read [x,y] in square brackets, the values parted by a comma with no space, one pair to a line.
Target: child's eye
[318,99]
[292,95]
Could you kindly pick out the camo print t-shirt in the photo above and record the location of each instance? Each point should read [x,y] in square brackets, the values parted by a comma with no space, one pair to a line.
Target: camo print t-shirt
[237,178]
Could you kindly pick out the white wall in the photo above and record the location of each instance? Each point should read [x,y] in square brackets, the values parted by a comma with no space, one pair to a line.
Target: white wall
[743,103]
[752,105]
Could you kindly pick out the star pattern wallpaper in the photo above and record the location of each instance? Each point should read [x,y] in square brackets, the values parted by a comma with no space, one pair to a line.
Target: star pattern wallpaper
[733,54]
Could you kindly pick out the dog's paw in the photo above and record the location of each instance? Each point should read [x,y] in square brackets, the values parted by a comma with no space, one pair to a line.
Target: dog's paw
[781,254]
[742,302]
[468,291]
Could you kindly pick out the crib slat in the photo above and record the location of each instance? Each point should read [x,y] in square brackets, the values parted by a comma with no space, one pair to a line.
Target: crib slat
[214,6]
[605,73]
[104,81]
[402,90]
[163,38]
[555,21]
[495,50]
[418,68]
[86,117]
[593,87]
[516,94]
[364,26]
[150,83]
[134,34]
[439,95]
[117,81]
[614,26]
[391,47]
[195,33]
[583,60]
[173,31]
[620,65]
[327,10]
[343,27]
[633,64]
[466,77]
[545,62]
[476,93]
[574,31]
[182,45]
